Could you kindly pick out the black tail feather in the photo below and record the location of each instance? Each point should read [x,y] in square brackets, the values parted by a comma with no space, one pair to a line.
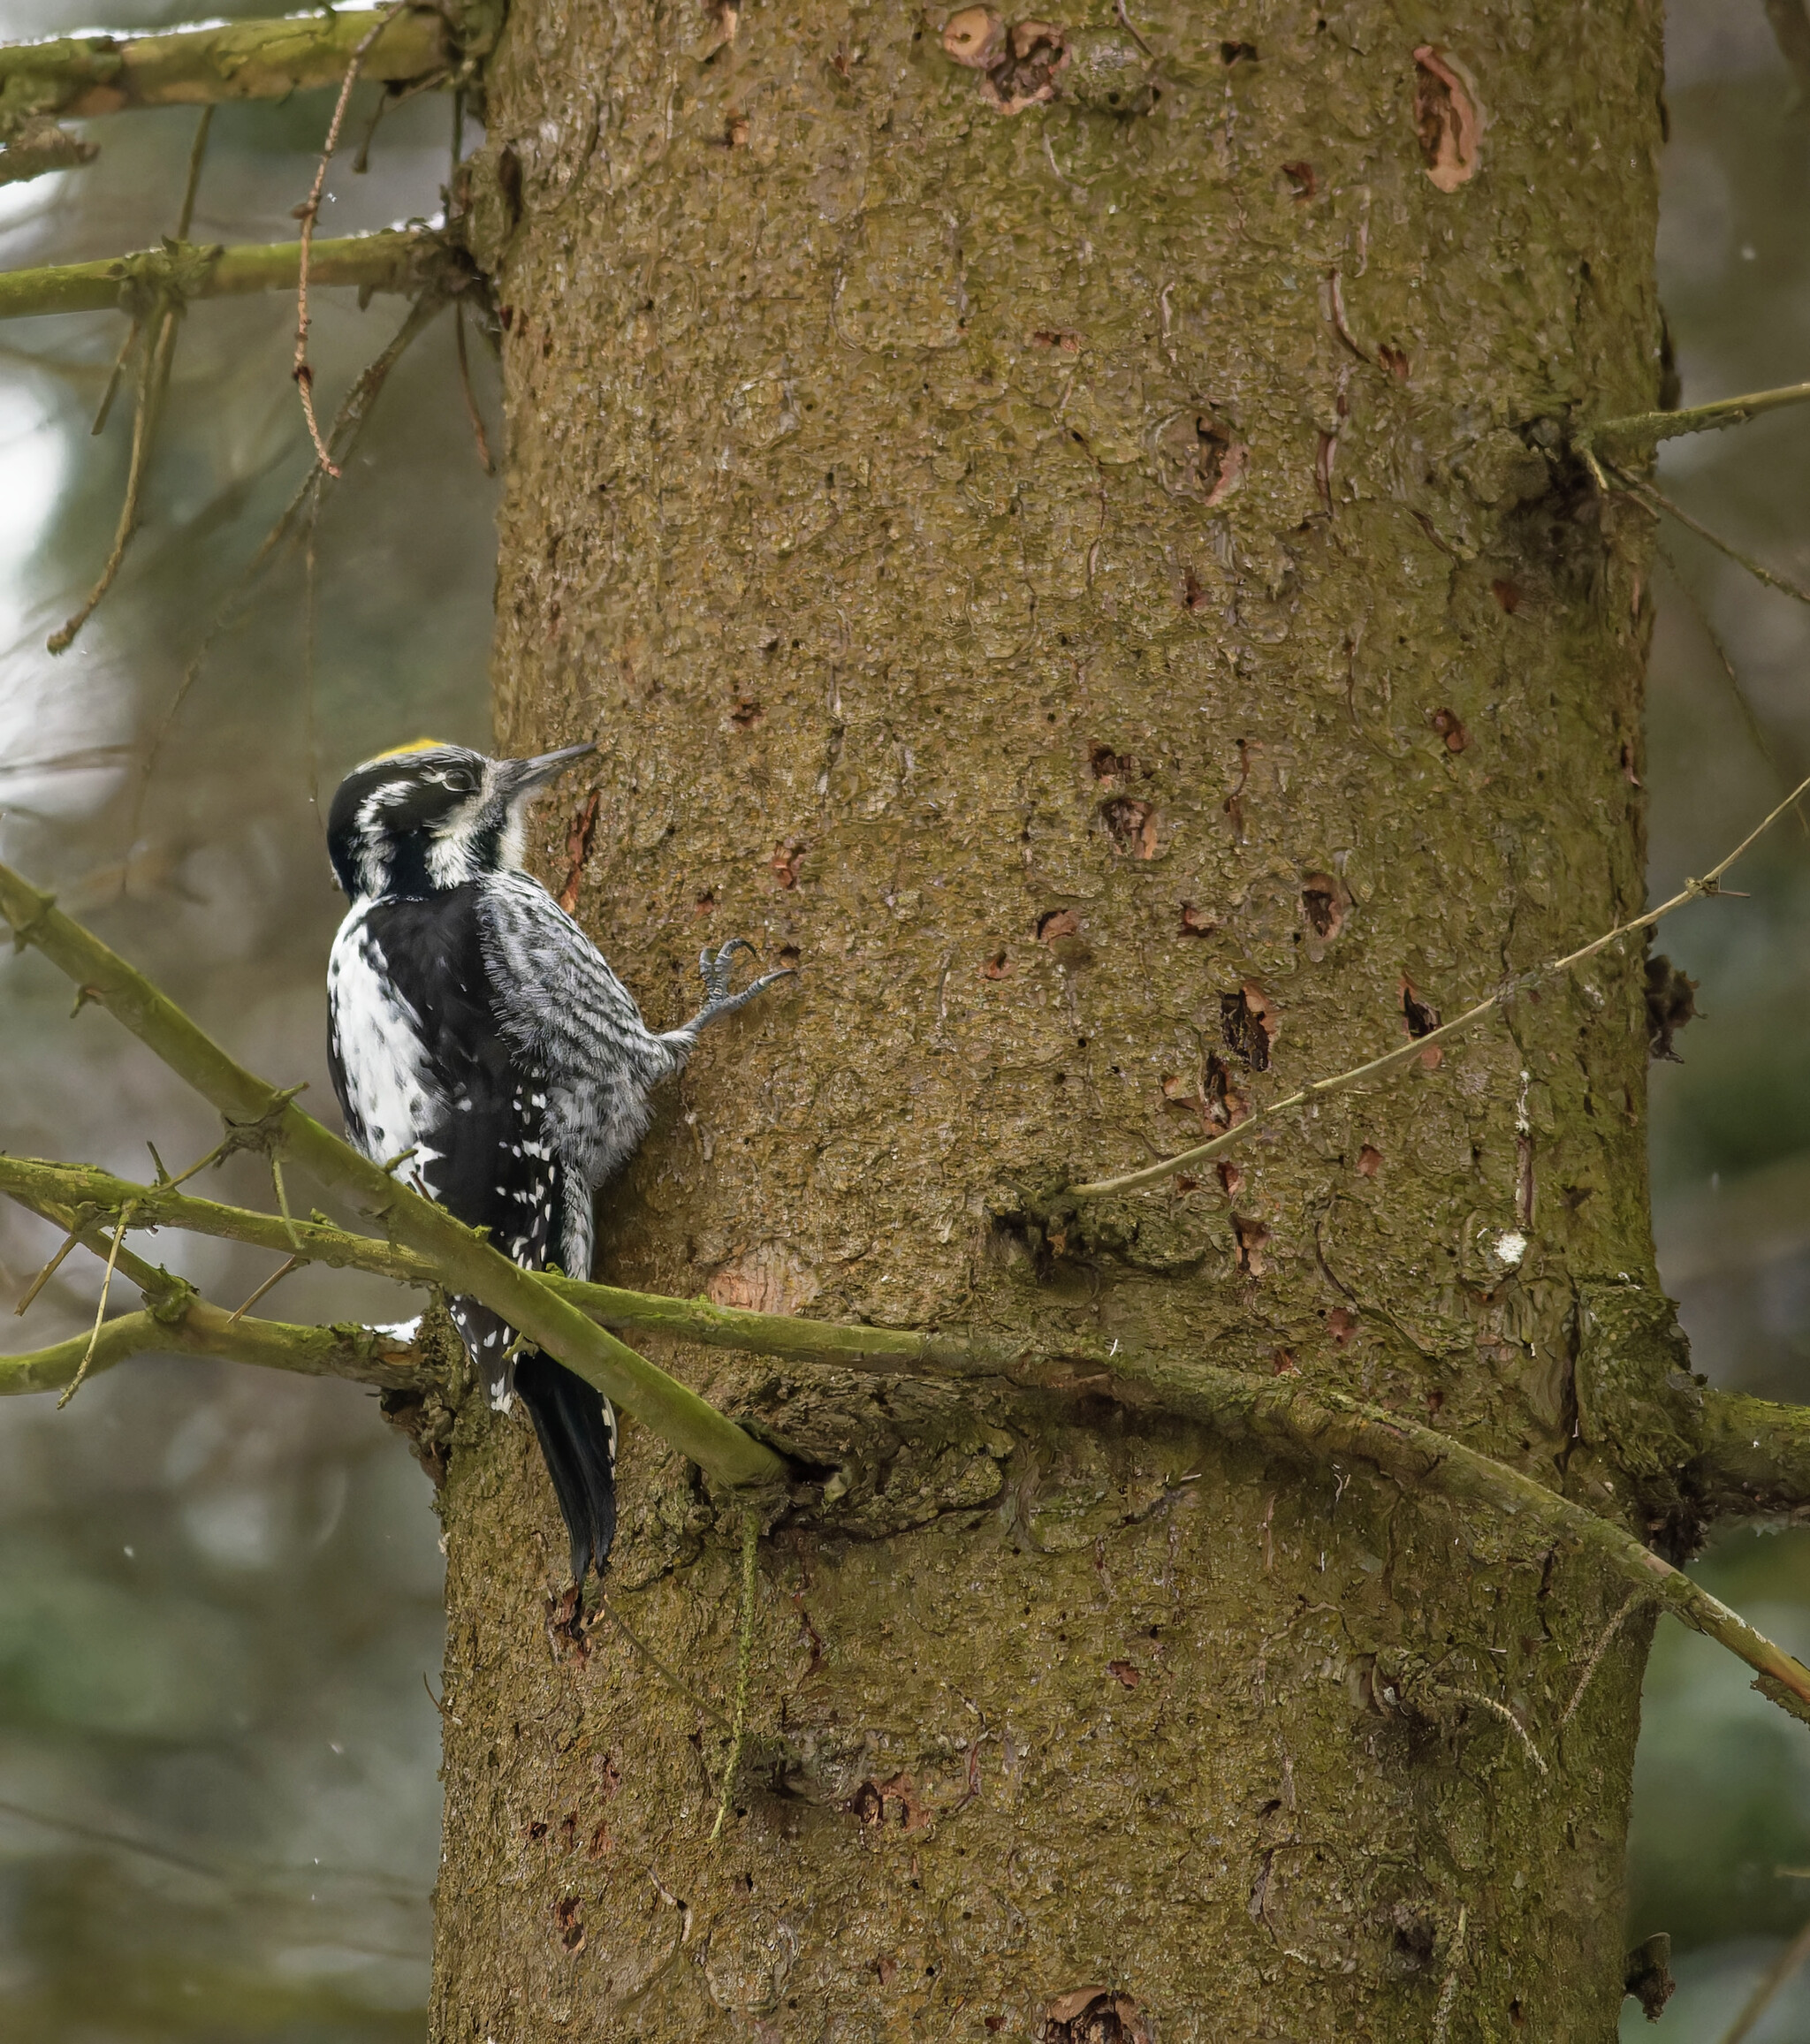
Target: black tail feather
[577,1433]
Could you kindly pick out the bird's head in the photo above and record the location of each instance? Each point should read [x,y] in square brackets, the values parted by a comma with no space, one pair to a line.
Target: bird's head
[428,816]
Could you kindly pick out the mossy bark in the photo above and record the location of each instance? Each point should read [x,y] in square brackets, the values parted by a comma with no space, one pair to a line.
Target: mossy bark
[1099,587]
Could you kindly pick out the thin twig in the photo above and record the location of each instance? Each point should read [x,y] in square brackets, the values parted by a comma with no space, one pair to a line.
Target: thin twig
[471,410]
[1756,730]
[153,377]
[76,1382]
[1769,1985]
[1501,1711]
[1758,570]
[349,422]
[744,1651]
[269,1285]
[1125,23]
[48,1272]
[1392,1060]
[309,213]
[310,646]
[658,1666]
[104,410]
[197,156]
[153,383]
[1631,1602]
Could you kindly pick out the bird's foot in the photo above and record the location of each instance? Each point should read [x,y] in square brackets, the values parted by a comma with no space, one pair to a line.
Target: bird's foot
[717,969]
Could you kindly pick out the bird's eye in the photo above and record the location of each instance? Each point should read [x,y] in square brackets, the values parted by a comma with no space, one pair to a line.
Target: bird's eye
[460,781]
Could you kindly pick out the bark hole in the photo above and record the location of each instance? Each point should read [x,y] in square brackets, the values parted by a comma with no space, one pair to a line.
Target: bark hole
[1224,1107]
[1093,2015]
[1421,1017]
[1131,826]
[1248,1022]
[1250,1238]
[1321,906]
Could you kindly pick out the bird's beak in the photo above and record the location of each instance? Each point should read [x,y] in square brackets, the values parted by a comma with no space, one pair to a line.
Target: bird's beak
[522,776]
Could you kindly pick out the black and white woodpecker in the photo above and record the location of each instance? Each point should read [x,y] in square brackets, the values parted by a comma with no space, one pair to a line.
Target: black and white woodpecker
[475,1027]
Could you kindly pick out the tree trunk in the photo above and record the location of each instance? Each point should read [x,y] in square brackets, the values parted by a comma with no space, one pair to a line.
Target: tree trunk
[1094,579]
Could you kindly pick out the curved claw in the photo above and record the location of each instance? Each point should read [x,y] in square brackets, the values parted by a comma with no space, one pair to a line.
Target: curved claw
[716,972]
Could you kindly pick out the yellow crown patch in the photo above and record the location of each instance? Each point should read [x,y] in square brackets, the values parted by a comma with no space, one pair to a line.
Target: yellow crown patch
[415,745]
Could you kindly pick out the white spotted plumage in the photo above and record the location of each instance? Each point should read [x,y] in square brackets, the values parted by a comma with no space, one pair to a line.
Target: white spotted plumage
[392,1105]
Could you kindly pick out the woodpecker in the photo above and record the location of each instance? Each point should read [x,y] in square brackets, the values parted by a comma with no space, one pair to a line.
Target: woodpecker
[475,1033]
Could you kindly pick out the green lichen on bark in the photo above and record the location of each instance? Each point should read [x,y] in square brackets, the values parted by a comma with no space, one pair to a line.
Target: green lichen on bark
[1108,592]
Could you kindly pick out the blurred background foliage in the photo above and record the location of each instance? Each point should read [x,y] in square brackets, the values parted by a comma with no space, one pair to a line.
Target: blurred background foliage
[219,1592]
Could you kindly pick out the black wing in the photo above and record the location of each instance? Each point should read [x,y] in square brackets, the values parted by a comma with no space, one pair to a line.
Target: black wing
[416,999]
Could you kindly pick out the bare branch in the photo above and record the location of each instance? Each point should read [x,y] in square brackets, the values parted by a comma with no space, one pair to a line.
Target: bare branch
[1284,1413]
[154,384]
[38,146]
[302,372]
[1658,501]
[397,259]
[1404,1053]
[1767,1987]
[464,1261]
[75,77]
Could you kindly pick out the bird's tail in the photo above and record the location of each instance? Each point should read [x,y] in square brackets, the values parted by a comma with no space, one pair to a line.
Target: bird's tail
[576,1426]
[577,1429]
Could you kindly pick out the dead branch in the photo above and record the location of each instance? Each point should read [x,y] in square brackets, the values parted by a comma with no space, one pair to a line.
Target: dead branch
[364,1355]
[1755,1458]
[309,213]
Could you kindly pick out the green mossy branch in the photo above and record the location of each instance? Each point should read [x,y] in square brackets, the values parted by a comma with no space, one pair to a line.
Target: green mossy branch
[397,259]
[1753,1459]
[76,77]
[82,1186]
[1645,429]
[1302,1423]
[362,1354]
[270,1119]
